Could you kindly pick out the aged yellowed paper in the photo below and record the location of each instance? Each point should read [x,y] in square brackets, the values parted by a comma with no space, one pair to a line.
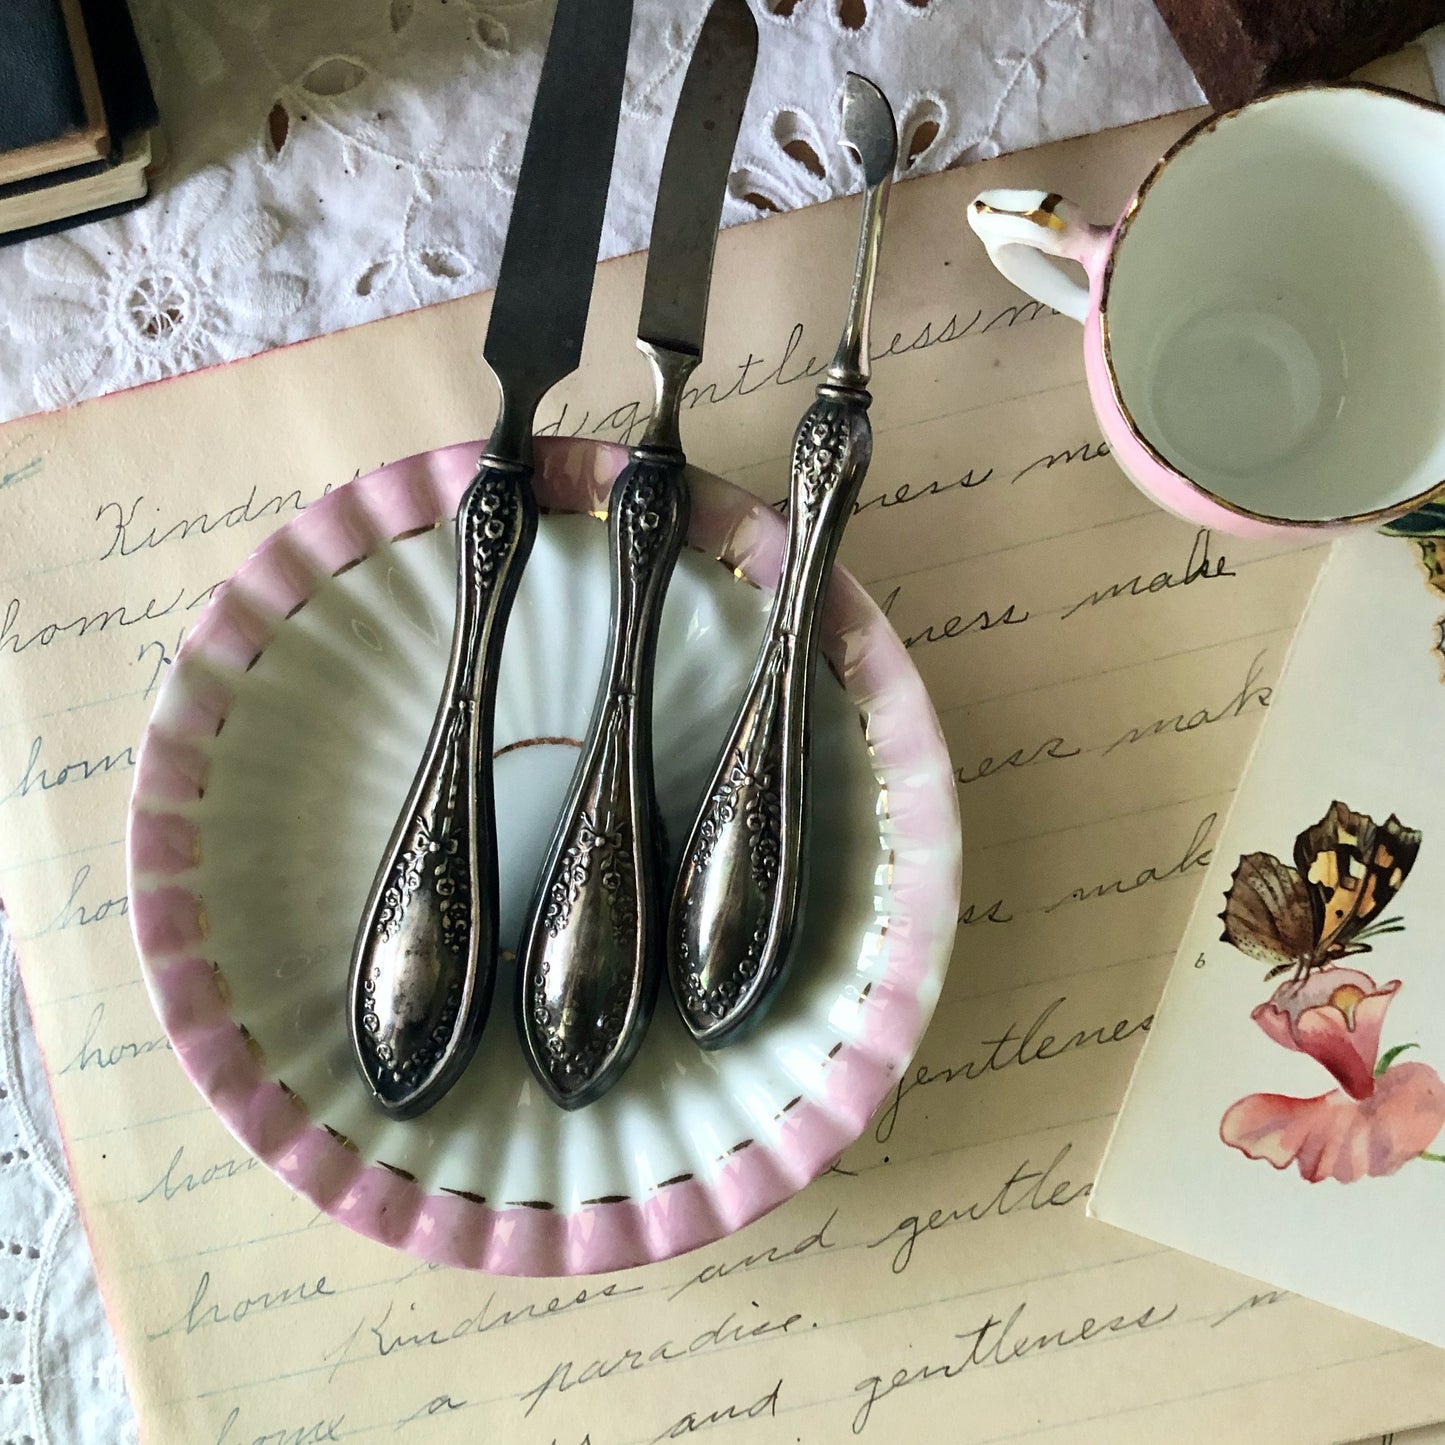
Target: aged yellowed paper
[1100,670]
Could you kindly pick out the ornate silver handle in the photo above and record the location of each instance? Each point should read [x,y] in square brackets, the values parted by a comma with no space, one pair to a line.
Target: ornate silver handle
[424,963]
[590,960]
[742,877]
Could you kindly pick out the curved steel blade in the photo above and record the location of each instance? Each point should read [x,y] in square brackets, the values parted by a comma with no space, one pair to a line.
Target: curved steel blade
[868,128]
[544,286]
[694,179]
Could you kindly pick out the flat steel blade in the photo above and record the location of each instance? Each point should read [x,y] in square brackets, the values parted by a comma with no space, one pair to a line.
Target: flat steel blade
[694,177]
[544,286]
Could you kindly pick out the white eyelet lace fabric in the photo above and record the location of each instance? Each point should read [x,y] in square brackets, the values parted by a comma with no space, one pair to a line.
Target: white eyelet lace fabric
[60,1381]
[332,164]
[328,167]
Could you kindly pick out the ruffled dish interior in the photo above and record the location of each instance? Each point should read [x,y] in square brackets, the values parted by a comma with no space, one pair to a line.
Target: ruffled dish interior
[279,751]
[304,783]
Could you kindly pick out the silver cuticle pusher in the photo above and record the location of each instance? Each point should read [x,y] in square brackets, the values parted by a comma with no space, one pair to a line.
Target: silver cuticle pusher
[741,880]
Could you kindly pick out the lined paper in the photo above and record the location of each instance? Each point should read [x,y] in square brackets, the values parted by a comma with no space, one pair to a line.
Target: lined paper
[1100,670]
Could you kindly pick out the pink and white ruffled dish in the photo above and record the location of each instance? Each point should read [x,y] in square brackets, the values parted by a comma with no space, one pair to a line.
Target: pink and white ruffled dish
[278,754]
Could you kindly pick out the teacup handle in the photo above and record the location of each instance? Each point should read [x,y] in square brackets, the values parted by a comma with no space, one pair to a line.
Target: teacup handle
[1022,228]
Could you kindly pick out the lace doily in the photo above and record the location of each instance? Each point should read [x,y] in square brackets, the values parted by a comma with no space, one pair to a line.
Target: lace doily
[332,164]
[60,1381]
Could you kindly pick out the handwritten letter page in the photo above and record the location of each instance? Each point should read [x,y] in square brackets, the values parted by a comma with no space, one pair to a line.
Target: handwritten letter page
[1100,670]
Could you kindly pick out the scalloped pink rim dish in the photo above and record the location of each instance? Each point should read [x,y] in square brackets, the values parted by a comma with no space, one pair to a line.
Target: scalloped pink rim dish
[168,921]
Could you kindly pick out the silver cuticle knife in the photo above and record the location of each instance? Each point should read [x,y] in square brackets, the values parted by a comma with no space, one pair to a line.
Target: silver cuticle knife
[590,960]
[741,878]
[424,963]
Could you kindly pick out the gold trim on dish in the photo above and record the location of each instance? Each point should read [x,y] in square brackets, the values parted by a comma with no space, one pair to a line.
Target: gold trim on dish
[419,531]
[537,743]
[463,1194]
[342,1139]
[1043,215]
[1202,128]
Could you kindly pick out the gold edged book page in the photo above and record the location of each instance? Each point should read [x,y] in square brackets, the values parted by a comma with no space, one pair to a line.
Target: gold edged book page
[125,181]
[1100,670]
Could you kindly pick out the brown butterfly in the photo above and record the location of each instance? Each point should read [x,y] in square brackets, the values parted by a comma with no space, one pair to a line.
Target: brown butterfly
[1347,869]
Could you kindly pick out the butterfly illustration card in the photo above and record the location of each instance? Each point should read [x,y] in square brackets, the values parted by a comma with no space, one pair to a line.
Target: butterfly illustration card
[1287,1116]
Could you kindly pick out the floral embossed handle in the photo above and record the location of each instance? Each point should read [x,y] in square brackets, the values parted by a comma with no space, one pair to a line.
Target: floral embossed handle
[424,963]
[590,960]
[742,876]
[741,882]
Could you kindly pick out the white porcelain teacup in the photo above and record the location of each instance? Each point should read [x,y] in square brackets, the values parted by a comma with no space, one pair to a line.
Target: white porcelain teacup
[1264,327]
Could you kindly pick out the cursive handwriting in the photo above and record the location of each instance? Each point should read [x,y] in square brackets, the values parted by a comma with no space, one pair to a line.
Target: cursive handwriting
[163,657]
[1049,749]
[966,481]
[980,913]
[176,1181]
[318,1433]
[90,1055]
[1251,1302]
[784,372]
[692,1422]
[1201,567]
[1250,694]
[960,623]
[73,912]
[487,1319]
[1195,856]
[437,1405]
[565,1374]
[386,1340]
[754,373]
[79,770]
[1024,1189]
[774,1254]
[1087,452]
[128,538]
[906,492]
[1000,1342]
[935,334]
[14,636]
[1011,1049]
[203,1311]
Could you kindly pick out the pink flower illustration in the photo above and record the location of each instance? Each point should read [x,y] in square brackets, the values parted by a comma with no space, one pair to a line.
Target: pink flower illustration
[1371,1124]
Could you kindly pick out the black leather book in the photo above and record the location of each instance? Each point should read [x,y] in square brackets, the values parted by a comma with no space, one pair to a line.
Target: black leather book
[118,178]
[61,223]
[130,104]
[51,112]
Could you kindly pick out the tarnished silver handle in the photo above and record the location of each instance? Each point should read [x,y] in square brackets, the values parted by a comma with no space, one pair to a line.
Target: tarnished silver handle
[590,961]
[424,963]
[741,880]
